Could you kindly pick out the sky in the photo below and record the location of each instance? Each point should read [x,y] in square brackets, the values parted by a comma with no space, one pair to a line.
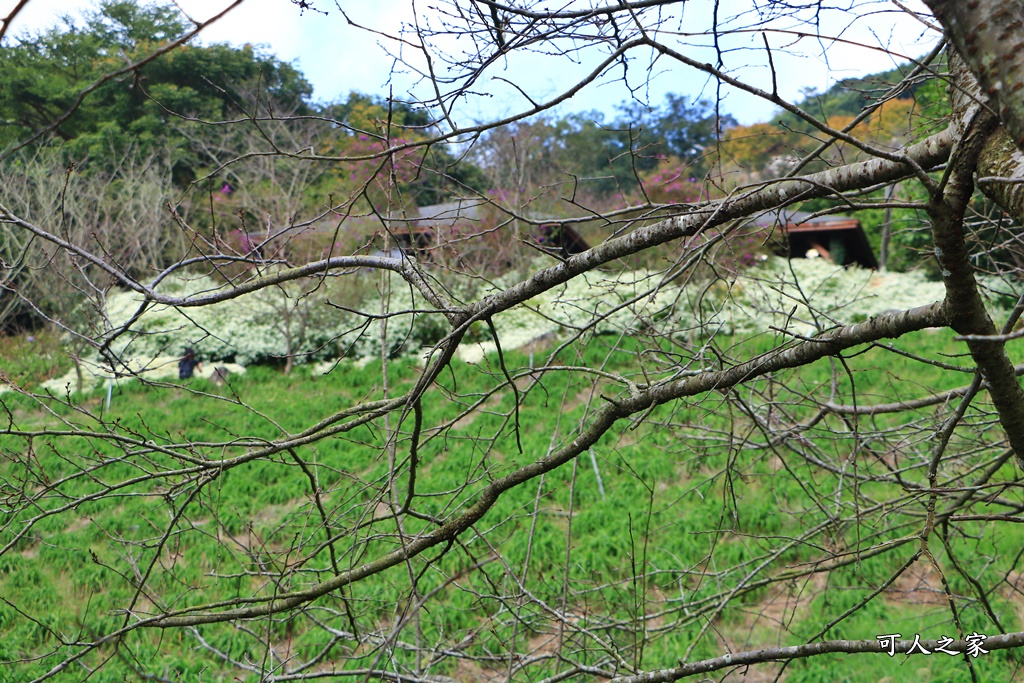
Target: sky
[348,45]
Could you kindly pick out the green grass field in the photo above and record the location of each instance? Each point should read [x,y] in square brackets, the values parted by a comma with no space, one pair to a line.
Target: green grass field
[700,505]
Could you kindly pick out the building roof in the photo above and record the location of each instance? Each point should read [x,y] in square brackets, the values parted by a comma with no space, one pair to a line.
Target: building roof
[802,221]
[447,214]
[804,231]
[418,227]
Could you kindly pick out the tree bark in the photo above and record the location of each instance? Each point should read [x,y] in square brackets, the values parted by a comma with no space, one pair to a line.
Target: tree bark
[967,316]
[1000,164]
[974,126]
[989,35]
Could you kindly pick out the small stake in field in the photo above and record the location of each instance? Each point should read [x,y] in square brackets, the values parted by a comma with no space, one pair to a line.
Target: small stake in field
[597,472]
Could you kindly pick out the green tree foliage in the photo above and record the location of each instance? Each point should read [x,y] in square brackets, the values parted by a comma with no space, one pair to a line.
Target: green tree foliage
[157,119]
[370,123]
[689,132]
[603,158]
[42,75]
[768,150]
[849,96]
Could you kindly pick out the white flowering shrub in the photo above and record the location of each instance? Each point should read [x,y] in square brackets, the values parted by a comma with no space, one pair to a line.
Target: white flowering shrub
[801,296]
[268,324]
[804,296]
[595,302]
[407,332]
[272,323]
[159,368]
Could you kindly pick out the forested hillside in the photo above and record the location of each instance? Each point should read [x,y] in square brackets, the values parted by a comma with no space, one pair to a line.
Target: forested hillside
[147,161]
[384,389]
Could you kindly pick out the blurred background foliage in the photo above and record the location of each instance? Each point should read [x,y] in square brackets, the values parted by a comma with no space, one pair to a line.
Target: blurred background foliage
[148,169]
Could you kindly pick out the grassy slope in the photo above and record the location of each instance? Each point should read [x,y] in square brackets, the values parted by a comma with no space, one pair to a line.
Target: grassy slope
[668,505]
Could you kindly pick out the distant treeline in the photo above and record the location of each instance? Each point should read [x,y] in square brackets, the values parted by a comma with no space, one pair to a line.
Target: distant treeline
[145,163]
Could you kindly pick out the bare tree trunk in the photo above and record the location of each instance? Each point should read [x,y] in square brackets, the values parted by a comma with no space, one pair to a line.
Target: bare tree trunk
[964,306]
[989,35]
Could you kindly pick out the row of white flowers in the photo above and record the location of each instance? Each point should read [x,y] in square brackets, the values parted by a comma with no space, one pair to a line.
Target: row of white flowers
[801,296]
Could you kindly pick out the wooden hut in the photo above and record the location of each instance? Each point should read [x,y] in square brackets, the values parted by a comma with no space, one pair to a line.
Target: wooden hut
[428,226]
[562,240]
[839,239]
